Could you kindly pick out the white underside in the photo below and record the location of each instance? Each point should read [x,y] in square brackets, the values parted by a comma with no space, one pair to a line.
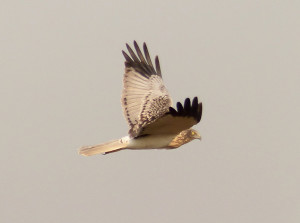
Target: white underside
[149,142]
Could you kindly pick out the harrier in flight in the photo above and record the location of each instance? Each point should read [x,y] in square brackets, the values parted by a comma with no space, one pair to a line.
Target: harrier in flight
[147,107]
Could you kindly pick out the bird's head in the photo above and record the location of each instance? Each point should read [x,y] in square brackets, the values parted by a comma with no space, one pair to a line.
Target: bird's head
[193,134]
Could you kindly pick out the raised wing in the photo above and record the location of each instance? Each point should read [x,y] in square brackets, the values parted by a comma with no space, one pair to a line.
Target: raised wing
[175,121]
[145,98]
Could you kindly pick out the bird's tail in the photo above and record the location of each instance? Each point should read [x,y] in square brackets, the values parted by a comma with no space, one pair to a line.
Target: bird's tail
[109,147]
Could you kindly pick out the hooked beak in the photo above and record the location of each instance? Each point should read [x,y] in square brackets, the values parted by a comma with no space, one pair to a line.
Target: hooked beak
[198,137]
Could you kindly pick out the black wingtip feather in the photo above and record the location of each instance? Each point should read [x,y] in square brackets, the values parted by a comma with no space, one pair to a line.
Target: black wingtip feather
[132,54]
[180,109]
[157,65]
[187,105]
[195,103]
[141,62]
[189,110]
[199,112]
[128,59]
[139,52]
[172,111]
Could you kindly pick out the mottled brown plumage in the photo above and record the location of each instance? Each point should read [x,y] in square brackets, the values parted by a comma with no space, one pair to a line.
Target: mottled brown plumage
[184,137]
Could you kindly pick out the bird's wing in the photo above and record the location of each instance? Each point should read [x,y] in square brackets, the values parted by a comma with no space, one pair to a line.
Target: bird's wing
[175,121]
[145,98]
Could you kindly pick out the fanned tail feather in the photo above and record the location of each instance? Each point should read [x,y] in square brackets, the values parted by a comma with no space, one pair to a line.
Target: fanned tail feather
[112,146]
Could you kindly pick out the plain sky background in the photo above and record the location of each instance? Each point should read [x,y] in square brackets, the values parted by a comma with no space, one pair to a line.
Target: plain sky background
[61,73]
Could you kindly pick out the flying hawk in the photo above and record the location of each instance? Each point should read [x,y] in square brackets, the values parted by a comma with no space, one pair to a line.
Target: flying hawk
[147,107]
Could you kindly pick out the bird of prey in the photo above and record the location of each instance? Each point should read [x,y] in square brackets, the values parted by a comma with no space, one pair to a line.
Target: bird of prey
[147,107]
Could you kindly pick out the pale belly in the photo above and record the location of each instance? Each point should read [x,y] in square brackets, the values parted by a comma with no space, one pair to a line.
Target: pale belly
[151,142]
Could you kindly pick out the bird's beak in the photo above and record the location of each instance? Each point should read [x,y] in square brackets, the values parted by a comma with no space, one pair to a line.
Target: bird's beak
[198,137]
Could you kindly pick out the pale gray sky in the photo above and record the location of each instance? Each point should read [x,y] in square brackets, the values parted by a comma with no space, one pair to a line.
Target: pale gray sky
[61,73]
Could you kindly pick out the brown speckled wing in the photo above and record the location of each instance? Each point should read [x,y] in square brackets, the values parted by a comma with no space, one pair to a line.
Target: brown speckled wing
[145,98]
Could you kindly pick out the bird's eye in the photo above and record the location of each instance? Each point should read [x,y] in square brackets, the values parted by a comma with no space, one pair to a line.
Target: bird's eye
[193,133]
